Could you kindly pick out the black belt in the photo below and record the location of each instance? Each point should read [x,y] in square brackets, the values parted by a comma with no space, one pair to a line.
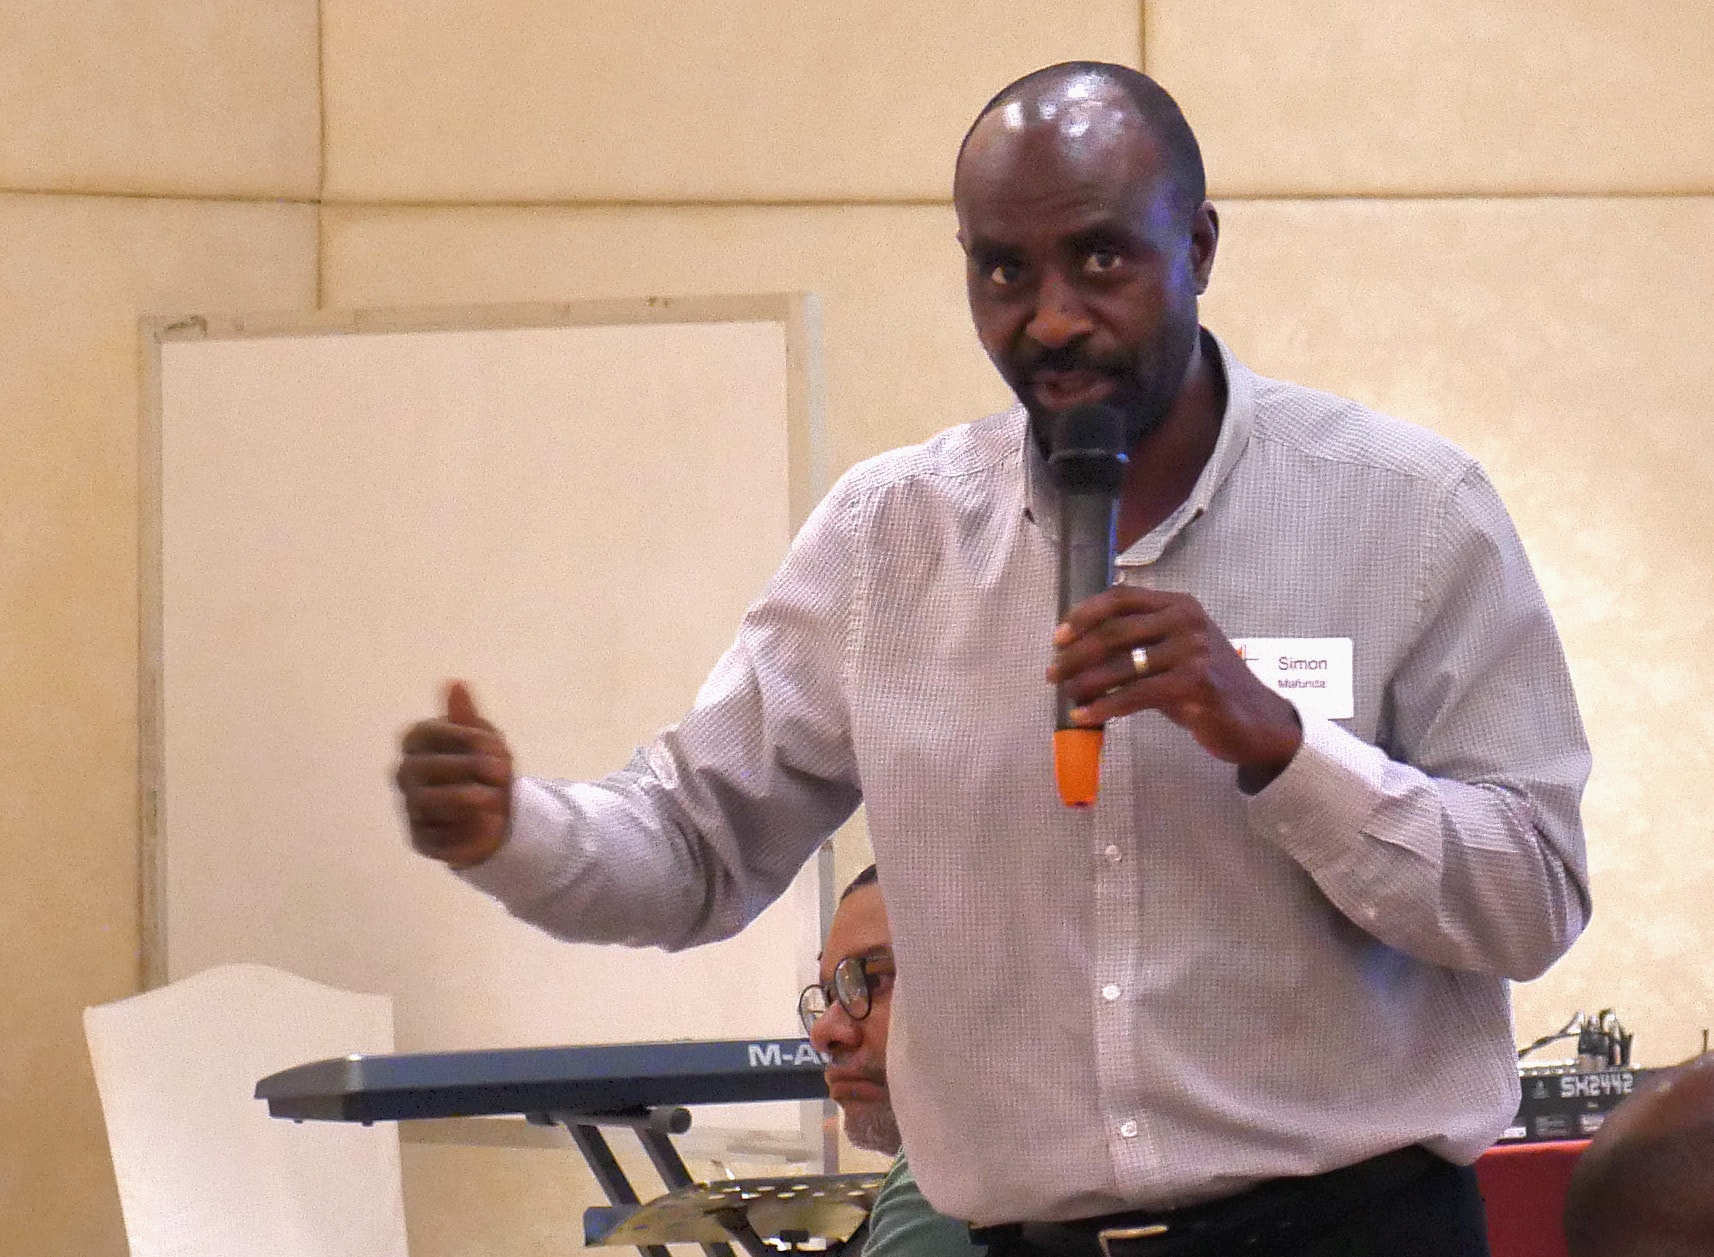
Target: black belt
[1268,1213]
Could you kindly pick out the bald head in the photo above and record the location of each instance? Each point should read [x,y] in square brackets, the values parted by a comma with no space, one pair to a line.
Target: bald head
[1087,243]
[1645,1187]
[1089,106]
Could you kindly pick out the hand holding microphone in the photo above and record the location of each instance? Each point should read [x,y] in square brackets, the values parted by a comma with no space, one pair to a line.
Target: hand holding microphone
[1121,649]
[1088,462]
[1191,674]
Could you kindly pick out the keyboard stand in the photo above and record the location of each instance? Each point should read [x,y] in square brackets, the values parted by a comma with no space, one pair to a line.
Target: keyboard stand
[653,1126]
[643,1087]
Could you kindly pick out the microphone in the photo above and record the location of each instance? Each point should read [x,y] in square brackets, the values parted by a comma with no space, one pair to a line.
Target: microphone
[1088,465]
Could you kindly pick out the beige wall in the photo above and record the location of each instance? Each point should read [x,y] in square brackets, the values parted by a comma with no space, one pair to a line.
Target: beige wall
[1490,218]
[154,156]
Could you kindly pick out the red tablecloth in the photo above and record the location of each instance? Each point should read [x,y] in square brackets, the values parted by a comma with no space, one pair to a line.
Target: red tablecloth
[1523,1187]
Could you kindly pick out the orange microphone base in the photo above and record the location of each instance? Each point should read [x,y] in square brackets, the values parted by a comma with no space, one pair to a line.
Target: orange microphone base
[1077,765]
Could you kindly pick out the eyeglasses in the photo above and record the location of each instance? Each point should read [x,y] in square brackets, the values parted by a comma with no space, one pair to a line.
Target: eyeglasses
[852,986]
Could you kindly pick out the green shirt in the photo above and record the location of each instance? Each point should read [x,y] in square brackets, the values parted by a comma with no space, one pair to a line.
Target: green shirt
[904,1224]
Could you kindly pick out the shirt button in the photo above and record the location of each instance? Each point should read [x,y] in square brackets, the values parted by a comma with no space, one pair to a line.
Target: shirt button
[1113,854]
[1110,992]
[1128,1129]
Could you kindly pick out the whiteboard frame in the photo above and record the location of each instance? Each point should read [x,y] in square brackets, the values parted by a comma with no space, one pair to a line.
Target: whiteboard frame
[798,313]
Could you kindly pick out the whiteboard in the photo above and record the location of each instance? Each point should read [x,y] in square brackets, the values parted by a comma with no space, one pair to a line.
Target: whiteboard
[570,506]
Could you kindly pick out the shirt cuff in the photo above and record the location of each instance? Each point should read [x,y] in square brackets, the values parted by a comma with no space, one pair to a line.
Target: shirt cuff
[532,860]
[1316,809]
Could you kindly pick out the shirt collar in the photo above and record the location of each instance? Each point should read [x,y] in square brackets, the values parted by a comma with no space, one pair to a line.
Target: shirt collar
[1041,498]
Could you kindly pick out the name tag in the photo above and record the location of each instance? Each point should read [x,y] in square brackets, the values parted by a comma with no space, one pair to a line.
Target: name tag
[1313,672]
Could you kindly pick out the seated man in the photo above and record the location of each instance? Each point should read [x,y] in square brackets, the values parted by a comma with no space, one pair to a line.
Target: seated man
[1645,1187]
[846,1016]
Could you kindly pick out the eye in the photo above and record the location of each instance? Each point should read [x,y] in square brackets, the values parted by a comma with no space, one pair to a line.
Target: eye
[1003,274]
[1102,261]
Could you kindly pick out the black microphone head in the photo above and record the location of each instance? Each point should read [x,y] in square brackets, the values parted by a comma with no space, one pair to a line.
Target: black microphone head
[1089,449]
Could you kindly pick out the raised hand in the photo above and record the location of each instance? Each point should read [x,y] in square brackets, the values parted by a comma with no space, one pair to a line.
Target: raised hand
[455,775]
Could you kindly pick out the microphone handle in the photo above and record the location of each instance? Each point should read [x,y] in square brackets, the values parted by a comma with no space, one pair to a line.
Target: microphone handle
[1087,526]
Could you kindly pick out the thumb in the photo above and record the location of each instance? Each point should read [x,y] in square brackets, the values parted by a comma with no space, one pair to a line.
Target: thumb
[461,708]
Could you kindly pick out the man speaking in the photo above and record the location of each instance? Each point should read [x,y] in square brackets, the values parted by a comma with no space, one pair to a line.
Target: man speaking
[1253,999]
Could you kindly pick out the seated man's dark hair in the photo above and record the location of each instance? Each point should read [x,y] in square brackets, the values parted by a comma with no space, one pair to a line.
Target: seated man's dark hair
[868,877]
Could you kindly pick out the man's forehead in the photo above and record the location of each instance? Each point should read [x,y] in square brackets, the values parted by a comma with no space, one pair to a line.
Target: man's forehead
[1056,145]
[1073,107]
[1074,113]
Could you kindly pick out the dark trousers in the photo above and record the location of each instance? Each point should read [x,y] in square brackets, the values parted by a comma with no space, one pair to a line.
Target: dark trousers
[1406,1204]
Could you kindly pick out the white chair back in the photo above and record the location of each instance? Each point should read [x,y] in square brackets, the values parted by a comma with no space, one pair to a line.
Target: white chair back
[203,1170]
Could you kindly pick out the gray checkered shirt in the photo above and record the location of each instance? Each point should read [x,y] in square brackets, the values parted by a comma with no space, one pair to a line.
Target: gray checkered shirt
[1184,989]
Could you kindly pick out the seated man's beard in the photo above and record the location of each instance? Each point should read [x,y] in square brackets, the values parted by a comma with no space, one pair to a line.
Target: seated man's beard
[874,1127]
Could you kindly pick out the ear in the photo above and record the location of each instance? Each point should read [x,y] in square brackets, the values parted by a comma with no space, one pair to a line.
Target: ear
[1204,240]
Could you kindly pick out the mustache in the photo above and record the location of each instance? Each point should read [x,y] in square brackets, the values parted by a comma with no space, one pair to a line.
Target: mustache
[1071,357]
[876,1074]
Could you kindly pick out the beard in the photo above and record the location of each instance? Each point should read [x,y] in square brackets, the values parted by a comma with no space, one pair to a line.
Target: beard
[1146,384]
[874,1127]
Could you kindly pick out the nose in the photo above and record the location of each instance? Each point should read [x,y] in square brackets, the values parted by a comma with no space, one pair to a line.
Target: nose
[835,1031]
[1060,317]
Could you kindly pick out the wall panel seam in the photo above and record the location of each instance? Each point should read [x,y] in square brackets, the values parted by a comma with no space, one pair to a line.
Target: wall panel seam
[320,151]
[945,203]
[212,198]
[262,198]
[1277,198]
[597,203]
[321,257]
